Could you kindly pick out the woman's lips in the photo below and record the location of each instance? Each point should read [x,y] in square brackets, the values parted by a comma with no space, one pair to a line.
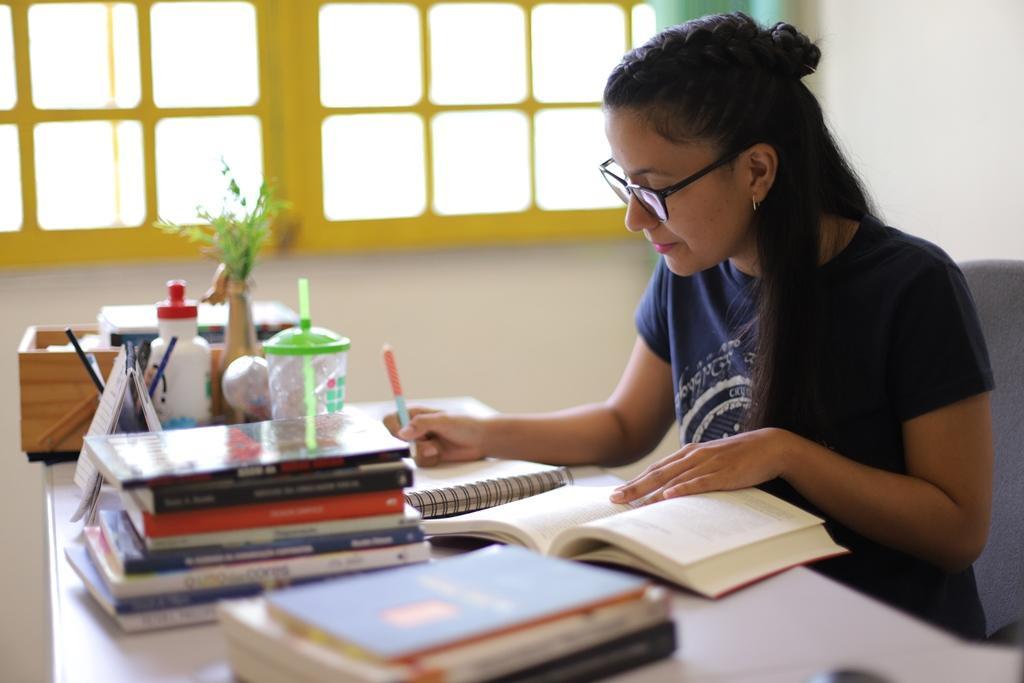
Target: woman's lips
[662,248]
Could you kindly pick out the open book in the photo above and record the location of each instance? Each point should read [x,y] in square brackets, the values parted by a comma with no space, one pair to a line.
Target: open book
[711,543]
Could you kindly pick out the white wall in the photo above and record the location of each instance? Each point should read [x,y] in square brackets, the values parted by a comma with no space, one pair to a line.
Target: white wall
[926,97]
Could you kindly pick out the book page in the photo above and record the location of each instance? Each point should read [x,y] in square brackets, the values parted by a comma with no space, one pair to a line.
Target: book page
[539,518]
[693,528]
[103,421]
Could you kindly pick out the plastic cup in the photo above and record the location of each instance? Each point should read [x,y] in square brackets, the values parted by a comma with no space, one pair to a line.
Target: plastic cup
[307,371]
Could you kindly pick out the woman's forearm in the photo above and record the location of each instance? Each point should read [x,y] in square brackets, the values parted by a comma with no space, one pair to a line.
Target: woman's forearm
[593,434]
[897,510]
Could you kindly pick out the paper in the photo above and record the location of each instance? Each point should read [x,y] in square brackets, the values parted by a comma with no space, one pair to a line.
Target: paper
[124,406]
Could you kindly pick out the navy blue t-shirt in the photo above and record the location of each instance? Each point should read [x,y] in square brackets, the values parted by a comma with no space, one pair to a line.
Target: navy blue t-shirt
[903,339]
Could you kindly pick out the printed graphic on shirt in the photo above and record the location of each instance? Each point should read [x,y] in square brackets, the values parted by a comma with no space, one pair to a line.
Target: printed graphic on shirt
[712,399]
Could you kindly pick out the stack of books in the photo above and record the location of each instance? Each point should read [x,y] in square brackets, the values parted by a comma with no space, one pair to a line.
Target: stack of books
[226,512]
[498,614]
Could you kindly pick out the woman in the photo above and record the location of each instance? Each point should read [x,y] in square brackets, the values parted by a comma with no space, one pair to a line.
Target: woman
[799,344]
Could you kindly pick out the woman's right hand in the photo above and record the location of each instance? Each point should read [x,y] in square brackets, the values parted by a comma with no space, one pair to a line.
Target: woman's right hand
[439,436]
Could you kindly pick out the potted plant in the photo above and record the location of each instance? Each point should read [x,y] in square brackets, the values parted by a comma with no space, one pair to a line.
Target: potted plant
[234,238]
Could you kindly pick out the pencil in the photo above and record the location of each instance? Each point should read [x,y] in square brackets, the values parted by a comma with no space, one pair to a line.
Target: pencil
[89,365]
[396,384]
[396,389]
[163,365]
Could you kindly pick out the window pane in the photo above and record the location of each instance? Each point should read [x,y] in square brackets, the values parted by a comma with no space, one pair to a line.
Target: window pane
[644,26]
[370,55]
[84,56]
[204,54]
[570,143]
[81,168]
[495,36]
[373,166]
[8,89]
[481,162]
[10,180]
[188,163]
[575,47]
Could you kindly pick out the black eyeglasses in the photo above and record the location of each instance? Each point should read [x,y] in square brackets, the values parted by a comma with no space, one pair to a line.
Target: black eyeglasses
[654,200]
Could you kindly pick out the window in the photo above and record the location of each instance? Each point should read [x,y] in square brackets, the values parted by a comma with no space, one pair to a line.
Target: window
[383,123]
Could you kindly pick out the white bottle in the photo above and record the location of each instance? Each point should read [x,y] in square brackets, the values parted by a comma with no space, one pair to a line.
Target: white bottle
[182,396]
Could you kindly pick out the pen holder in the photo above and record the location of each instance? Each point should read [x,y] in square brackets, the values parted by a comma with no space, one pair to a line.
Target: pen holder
[57,397]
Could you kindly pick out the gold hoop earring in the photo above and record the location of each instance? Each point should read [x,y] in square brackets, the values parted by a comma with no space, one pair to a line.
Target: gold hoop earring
[753,201]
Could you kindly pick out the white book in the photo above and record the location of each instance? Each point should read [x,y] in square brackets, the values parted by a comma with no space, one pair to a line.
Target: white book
[711,543]
[279,571]
[136,621]
[262,650]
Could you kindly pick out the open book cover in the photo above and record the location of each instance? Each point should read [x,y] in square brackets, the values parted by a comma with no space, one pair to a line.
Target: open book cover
[244,450]
[711,543]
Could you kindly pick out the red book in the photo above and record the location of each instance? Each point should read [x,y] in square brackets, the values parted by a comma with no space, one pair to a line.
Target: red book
[268,514]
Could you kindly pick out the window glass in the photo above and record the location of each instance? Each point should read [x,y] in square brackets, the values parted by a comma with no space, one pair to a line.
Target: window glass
[373,166]
[8,89]
[204,54]
[570,146]
[10,180]
[89,174]
[189,154]
[574,49]
[84,55]
[370,55]
[644,26]
[481,162]
[477,53]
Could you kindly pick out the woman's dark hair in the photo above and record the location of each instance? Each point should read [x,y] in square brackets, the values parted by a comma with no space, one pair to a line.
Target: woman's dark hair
[726,80]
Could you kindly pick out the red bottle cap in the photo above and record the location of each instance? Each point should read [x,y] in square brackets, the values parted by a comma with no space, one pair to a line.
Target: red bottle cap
[176,306]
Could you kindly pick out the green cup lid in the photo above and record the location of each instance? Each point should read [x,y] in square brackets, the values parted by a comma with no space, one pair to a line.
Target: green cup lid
[309,341]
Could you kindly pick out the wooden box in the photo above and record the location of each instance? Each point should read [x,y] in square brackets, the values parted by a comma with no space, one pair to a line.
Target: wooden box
[57,397]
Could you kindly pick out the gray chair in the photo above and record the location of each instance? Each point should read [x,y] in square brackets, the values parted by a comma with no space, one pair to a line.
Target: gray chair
[998,290]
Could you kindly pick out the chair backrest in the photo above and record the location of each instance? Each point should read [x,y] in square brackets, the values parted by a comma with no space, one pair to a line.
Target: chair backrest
[998,290]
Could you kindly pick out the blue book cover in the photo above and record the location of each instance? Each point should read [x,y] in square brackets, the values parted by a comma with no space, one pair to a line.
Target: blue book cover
[407,611]
[136,559]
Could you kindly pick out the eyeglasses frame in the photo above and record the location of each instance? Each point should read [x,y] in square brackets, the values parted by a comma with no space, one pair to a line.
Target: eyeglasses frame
[662,194]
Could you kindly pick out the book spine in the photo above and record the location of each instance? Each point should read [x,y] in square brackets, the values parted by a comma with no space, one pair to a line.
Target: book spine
[458,500]
[270,514]
[605,659]
[203,557]
[176,499]
[165,601]
[251,472]
[270,573]
[502,655]
[168,618]
[271,534]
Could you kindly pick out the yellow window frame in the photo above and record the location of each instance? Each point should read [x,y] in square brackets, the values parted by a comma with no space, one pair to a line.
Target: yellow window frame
[291,114]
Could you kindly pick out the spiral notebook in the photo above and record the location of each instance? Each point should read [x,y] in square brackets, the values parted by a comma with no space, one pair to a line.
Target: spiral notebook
[458,488]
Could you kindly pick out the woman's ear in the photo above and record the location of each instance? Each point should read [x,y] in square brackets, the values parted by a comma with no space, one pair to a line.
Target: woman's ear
[758,166]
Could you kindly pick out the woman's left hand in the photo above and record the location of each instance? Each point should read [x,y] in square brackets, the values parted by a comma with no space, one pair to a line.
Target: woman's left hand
[733,462]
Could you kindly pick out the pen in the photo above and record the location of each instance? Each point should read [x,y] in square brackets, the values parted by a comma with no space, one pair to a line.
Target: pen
[88,360]
[160,368]
[396,388]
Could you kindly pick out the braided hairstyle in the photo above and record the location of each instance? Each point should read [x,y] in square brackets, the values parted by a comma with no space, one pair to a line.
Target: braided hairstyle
[728,81]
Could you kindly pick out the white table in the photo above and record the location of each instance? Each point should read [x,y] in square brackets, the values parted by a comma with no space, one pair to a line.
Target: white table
[785,628]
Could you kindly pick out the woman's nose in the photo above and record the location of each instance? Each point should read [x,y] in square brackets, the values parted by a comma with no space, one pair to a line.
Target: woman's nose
[637,217]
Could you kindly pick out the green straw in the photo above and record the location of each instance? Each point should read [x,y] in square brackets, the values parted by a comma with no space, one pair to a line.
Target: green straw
[307,361]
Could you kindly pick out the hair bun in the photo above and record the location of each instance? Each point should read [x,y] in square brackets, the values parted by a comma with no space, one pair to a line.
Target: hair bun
[797,55]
